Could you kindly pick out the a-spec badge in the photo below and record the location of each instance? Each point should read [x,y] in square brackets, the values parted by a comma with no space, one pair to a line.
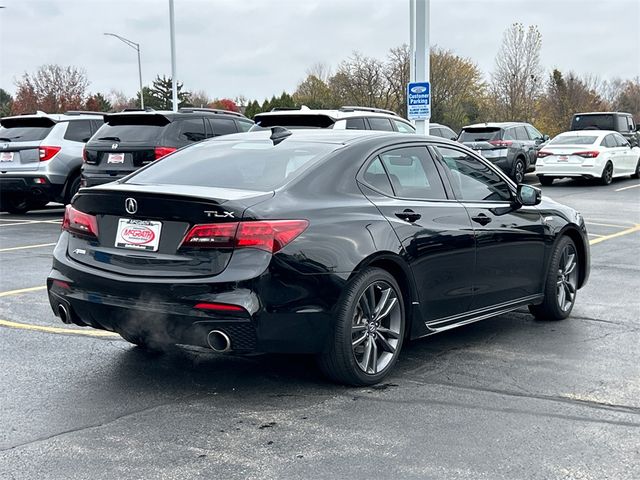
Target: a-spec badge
[131,205]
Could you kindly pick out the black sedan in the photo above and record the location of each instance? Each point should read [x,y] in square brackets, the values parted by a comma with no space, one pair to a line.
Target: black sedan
[335,243]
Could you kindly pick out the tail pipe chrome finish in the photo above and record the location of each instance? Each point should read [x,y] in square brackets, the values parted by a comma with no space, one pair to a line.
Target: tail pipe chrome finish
[219,341]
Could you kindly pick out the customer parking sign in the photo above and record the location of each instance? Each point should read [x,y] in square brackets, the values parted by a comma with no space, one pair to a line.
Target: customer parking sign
[419,101]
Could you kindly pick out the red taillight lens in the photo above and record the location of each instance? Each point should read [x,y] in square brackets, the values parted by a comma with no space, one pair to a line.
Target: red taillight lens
[501,143]
[589,154]
[270,236]
[220,307]
[542,154]
[84,154]
[47,153]
[162,151]
[79,222]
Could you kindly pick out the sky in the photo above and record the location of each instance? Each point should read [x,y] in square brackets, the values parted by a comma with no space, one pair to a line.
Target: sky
[257,48]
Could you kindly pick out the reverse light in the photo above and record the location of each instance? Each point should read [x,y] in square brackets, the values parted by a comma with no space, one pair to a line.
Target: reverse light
[268,235]
[163,151]
[47,153]
[501,143]
[589,154]
[220,307]
[542,154]
[79,222]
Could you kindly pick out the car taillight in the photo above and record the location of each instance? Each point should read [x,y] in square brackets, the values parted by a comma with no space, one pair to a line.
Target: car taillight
[79,222]
[162,151]
[589,154]
[501,143]
[47,153]
[84,154]
[542,154]
[220,307]
[268,235]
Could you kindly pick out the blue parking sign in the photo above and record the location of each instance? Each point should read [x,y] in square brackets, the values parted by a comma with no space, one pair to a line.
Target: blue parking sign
[419,101]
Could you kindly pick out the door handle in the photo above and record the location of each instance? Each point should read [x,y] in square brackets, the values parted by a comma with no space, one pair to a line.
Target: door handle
[408,215]
[482,219]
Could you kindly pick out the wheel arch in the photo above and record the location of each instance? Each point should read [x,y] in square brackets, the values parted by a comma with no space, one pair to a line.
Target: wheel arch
[574,234]
[75,172]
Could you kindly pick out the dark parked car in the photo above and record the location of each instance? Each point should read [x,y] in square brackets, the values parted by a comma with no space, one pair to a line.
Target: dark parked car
[617,121]
[438,130]
[512,146]
[130,140]
[340,244]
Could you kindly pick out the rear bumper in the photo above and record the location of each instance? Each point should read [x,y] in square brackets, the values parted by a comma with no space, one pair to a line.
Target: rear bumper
[569,170]
[26,185]
[281,314]
[94,179]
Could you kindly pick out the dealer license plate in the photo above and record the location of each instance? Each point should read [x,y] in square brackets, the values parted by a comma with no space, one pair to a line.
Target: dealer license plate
[563,158]
[138,234]
[115,158]
[6,156]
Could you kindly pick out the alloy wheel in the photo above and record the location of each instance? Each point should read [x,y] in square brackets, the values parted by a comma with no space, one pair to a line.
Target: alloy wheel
[567,282]
[608,174]
[519,173]
[376,326]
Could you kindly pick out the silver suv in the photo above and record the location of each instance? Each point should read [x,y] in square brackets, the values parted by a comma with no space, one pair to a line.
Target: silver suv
[41,157]
[344,118]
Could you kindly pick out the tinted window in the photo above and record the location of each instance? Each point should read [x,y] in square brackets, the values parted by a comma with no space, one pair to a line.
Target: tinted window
[294,120]
[191,130]
[355,124]
[448,133]
[623,126]
[132,128]
[244,126]
[96,124]
[436,131]
[510,134]
[597,122]
[24,129]
[222,126]
[479,134]
[78,131]
[413,173]
[533,133]
[247,165]
[403,127]
[573,140]
[376,177]
[521,134]
[473,180]
[630,123]
[377,123]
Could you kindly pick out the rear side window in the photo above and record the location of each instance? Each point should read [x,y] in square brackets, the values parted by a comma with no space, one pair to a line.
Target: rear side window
[355,124]
[25,129]
[376,177]
[620,140]
[222,126]
[78,131]
[593,122]
[479,134]
[609,142]
[191,130]
[403,127]
[413,173]
[521,134]
[510,134]
[244,165]
[380,124]
[244,126]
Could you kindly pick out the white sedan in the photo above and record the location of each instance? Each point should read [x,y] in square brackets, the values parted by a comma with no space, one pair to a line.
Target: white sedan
[600,154]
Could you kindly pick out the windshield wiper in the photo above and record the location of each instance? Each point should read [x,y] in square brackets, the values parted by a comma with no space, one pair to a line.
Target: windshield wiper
[115,139]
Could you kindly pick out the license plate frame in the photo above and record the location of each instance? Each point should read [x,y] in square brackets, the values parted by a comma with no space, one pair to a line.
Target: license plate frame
[6,157]
[563,158]
[115,158]
[137,234]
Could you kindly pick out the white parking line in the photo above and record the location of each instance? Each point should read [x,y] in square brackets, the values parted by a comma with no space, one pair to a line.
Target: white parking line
[28,222]
[627,188]
[11,249]
[590,234]
[609,224]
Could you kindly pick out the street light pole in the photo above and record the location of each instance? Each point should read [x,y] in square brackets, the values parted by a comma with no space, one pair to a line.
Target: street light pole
[174,80]
[136,47]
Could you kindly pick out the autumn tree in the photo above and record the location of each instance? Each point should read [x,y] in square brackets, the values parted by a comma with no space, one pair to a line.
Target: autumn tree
[224,104]
[6,101]
[517,78]
[314,93]
[97,103]
[52,88]
[361,80]
[199,98]
[397,72]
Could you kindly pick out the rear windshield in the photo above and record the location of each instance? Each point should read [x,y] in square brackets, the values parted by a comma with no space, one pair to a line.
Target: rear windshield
[479,134]
[573,140]
[25,129]
[129,133]
[594,122]
[245,165]
[294,121]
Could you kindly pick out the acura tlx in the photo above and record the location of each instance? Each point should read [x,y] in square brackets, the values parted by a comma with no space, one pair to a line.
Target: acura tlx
[340,244]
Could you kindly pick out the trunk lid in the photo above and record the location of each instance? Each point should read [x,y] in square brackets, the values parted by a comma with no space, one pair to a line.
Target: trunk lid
[164,214]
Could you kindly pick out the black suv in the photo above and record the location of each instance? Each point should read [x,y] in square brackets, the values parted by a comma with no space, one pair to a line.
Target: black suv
[512,146]
[615,121]
[131,139]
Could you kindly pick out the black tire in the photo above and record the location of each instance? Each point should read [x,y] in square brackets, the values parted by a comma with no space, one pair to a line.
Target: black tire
[16,204]
[636,174]
[74,186]
[545,181]
[518,170]
[607,174]
[551,308]
[339,361]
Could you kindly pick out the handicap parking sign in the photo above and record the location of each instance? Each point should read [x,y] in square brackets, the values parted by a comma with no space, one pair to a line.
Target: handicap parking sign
[419,101]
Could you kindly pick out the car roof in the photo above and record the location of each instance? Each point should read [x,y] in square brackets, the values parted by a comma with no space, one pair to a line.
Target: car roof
[335,114]
[183,112]
[601,113]
[60,117]
[495,125]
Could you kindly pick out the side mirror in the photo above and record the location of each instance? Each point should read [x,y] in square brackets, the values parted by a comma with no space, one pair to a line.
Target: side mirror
[528,195]
[545,138]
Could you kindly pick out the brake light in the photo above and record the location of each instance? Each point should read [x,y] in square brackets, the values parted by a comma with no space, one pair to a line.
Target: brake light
[220,307]
[542,154]
[163,151]
[501,143]
[47,153]
[84,154]
[589,154]
[268,235]
[79,222]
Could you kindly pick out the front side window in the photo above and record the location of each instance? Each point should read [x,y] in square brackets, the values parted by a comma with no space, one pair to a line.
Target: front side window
[377,123]
[471,179]
[78,131]
[533,133]
[413,173]
[620,140]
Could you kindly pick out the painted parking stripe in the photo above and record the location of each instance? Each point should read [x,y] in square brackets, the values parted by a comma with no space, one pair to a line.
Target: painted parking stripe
[594,235]
[608,224]
[17,221]
[11,249]
[615,235]
[58,330]
[22,290]
[627,188]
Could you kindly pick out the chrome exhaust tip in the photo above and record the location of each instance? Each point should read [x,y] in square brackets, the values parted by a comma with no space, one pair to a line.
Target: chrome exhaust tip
[218,341]
[63,314]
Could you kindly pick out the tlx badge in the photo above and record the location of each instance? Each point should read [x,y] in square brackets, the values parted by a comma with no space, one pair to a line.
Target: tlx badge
[216,214]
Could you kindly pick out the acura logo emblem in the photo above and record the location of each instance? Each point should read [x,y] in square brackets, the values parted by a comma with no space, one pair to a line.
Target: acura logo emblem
[114,146]
[130,205]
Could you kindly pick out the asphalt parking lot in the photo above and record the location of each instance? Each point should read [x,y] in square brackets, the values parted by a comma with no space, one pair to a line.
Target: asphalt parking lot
[506,398]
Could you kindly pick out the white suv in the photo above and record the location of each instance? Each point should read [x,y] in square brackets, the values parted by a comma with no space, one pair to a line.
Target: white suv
[344,118]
